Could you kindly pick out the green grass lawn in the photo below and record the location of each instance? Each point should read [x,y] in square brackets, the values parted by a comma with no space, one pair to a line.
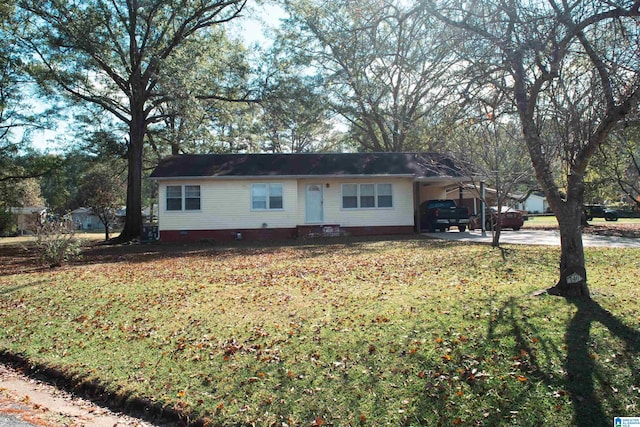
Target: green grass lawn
[407,332]
[550,221]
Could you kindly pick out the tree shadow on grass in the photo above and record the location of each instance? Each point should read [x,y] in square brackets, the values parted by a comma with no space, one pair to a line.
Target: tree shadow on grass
[6,290]
[583,372]
[532,358]
[594,399]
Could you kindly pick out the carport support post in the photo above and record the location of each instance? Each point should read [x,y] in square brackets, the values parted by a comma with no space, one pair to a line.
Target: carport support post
[417,198]
[482,208]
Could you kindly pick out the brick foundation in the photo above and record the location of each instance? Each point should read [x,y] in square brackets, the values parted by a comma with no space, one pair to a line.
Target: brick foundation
[227,235]
[304,231]
[378,231]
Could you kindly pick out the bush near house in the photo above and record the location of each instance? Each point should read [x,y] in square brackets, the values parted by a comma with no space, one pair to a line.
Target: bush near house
[55,240]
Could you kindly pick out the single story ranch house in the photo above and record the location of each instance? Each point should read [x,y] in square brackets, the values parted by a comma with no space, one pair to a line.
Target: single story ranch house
[224,197]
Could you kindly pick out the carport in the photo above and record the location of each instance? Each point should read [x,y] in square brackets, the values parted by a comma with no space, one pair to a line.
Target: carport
[442,187]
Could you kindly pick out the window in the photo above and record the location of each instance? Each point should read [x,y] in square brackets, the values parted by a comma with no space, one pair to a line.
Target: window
[349,196]
[367,196]
[267,196]
[275,196]
[174,198]
[191,197]
[385,198]
[259,196]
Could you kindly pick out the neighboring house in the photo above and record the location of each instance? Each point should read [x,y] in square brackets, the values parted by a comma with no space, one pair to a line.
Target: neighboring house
[268,196]
[25,217]
[84,219]
[536,203]
[469,196]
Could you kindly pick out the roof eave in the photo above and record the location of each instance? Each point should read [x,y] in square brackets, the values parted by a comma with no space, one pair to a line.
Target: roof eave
[442,178]
[263,177]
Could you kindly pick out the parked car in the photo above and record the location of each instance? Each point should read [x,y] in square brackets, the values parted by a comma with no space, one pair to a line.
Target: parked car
[600,211]
[442,214]
[509,218]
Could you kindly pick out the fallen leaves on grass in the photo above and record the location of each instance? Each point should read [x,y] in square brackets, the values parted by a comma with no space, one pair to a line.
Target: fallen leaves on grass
[384,333]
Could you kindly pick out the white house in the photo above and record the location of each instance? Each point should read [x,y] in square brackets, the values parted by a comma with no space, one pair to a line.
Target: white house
[535,203]
[223,197]
[84,219]
[25,217]
[469,196]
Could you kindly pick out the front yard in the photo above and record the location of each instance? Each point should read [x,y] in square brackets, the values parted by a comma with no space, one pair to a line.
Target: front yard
[338,332]
[624,227]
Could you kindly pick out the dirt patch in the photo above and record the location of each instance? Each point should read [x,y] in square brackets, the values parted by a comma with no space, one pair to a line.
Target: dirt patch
[41,404]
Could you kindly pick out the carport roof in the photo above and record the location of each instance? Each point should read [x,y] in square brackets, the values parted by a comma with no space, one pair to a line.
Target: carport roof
[420,166]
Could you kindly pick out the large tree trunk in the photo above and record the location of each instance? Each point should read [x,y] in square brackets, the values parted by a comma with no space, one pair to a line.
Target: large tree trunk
[133,220]
[573,274]
[568,209]
[106,223]
[569,213]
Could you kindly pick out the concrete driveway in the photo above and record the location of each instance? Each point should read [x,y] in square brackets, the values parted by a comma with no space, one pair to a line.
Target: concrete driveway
[536,237]
[9,421]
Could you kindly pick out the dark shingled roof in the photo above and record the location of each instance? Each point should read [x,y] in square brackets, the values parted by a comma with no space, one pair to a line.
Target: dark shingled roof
[418,165]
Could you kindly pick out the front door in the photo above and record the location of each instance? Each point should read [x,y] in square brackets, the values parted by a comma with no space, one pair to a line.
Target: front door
[313,203]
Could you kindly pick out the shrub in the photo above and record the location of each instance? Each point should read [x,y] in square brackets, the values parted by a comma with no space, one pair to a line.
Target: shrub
[56,241]
[6,222]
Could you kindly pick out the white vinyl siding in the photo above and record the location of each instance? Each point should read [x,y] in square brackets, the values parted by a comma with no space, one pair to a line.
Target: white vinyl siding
[227,204]
[399,214]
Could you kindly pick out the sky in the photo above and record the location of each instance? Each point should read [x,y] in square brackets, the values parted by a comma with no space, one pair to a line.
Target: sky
[250,27]
[257,19]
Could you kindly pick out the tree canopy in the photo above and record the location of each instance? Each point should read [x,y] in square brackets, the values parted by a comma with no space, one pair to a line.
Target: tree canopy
[111,54]
[570,74]
[383,76]
[383,65]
